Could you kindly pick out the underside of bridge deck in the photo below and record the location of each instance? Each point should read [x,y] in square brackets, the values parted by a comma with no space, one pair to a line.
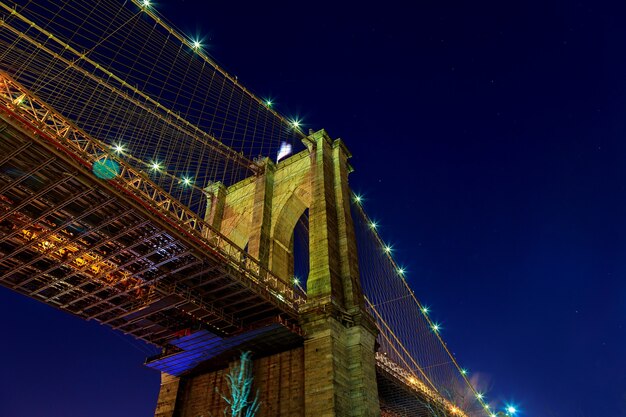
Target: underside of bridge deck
[76,243]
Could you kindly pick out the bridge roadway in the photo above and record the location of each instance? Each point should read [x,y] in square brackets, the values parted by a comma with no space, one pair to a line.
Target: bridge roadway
[122,252]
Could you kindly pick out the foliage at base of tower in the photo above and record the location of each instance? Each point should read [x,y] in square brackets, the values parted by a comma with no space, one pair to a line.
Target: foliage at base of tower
[239,381]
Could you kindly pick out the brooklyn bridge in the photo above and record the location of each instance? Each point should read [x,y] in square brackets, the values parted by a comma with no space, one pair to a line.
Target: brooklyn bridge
[140,188]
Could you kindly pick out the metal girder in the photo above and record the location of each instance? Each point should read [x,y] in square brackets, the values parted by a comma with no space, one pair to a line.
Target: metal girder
[28,174]
[96,261]
[56,229]
[135,275]
[15,152]
[70,242]
[43,191]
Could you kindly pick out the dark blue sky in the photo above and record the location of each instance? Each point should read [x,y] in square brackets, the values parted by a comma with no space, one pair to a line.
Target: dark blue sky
[488,139]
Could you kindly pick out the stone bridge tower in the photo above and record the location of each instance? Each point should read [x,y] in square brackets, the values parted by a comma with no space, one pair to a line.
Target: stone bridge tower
[333,372]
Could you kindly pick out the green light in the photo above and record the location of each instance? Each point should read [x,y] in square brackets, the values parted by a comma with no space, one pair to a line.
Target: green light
[387,249]
[358,198]
[187,181]
[480,395]
[464,371]
[425,310]
[155,166]
[401,271]
[436,327]
[373,225]
[106,169]
[269,102]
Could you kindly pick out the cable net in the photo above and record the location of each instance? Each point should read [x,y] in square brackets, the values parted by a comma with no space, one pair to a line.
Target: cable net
[125,76]
[410,345]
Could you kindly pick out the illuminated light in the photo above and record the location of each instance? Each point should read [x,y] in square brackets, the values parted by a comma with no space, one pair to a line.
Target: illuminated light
[486,406]
[296,280]
[425,310]
[296,123]
[493,415]
[155,166]
[387,249]
[510,409]
[197,45]
[373,225]
[455,410]
[358,198]
[464,371]
[401,271]
[145,3]
[480,395]
[436,327]
[269,102]
[412,380]
[118,148]
[187,181]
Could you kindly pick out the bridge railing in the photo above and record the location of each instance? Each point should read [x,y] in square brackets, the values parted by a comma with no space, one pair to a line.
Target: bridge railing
[134,183]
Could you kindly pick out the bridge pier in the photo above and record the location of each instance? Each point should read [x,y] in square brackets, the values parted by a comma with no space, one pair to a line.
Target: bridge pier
[333,370]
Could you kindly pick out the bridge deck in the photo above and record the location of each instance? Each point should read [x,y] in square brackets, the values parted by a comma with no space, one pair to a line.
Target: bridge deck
[77,243]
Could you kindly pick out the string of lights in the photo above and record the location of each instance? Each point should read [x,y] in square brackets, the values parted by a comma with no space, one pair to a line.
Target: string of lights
[381,270]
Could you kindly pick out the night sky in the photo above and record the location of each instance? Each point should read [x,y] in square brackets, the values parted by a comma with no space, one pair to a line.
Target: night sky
[488,141]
